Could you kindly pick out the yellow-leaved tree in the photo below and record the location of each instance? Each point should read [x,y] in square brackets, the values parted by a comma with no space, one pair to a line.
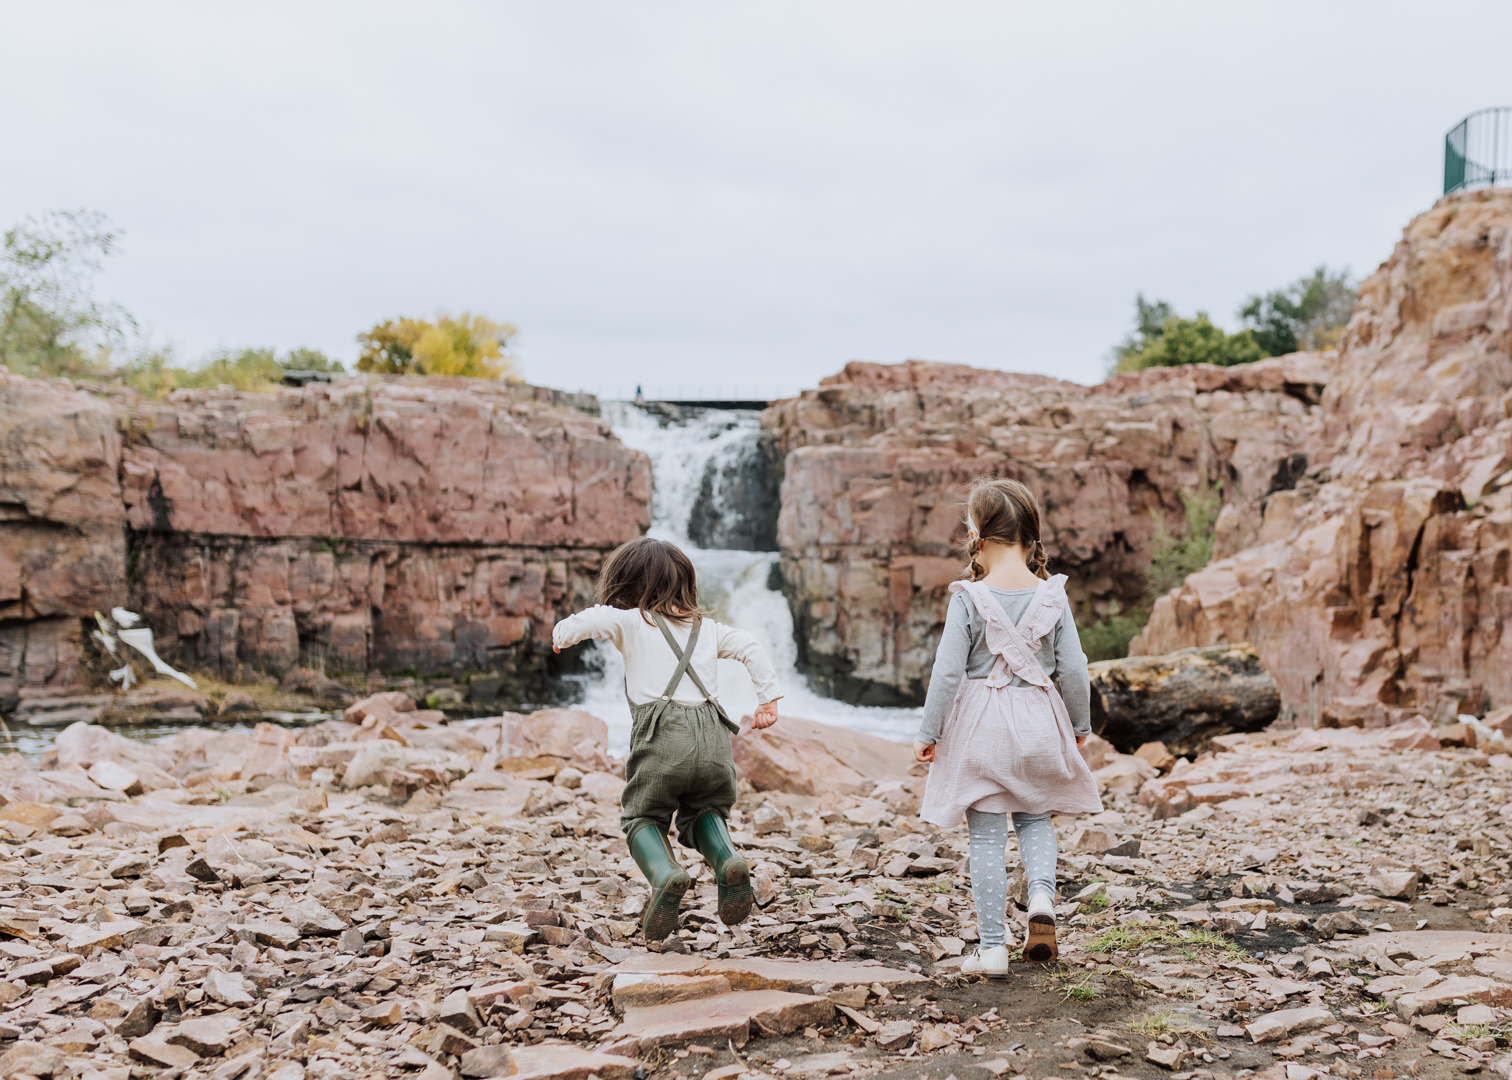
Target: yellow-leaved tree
[468,345]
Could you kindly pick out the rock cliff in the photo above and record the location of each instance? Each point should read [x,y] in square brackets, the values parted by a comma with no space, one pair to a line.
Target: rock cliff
[62,528]
[1378,586]
[435,526]
[877,458]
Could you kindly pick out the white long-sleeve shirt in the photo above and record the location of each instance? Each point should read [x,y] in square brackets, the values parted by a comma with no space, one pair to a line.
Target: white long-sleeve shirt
[650,662]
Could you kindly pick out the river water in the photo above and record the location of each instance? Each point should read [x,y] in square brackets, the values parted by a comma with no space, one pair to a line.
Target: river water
[699,466]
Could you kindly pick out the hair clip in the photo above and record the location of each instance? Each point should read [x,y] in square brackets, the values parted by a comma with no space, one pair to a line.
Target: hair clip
[971,524]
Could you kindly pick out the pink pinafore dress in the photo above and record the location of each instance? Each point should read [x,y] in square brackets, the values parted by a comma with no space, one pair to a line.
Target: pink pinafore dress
[1009,749]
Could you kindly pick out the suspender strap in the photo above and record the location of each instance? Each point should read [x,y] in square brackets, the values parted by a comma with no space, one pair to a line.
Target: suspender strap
[684,667]
[684,657]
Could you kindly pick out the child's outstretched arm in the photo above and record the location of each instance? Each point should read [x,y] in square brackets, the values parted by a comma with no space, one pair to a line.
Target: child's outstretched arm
[738,645]
[945,679]
[600,621]
[1071,670]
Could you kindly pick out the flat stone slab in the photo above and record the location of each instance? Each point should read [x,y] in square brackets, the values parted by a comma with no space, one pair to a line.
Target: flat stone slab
[641,991]
[723,1016]
[1426,944]
[155,1050]
[565,1061]
[1472,988]
[800,976]
[1275,1026]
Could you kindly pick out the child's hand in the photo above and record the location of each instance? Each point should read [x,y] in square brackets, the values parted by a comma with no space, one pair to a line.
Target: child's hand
[766,716]
[1081,741]
[555,647]
[924,751]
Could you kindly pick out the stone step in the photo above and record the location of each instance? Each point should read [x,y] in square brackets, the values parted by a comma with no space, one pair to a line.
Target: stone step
[722,1016]
[799,976]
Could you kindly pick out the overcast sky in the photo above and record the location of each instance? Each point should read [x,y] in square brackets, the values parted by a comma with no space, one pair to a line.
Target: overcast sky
[732,194]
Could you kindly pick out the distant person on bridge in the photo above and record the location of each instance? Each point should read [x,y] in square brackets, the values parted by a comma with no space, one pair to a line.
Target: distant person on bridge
[680,760]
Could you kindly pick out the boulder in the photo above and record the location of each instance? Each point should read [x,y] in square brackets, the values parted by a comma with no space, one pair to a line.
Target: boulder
[1182,700]
[267,753]
[21,783]
[374,762]
[114,777]
[86,744]
[805,757]
[1157,754]
[567,734]
[383,706]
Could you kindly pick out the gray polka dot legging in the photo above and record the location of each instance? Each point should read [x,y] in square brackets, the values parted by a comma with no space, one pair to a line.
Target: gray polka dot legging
[989,873]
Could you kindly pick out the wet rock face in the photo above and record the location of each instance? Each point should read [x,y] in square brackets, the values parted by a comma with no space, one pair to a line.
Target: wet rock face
[430,526]
[877,461]
[738,500]
[1374,589]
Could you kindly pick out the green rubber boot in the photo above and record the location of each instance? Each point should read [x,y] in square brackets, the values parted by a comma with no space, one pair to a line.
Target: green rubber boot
[668,881]
[732,873]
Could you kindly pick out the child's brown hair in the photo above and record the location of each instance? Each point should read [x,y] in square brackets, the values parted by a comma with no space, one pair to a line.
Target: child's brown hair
[1008,512]
[653,576]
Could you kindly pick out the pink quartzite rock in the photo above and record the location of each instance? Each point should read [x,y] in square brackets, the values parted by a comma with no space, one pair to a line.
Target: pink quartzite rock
[805,757]
[1275,1026]
[871,529]
[63,540]
[723,1016]
[1370,592]
[1472,988]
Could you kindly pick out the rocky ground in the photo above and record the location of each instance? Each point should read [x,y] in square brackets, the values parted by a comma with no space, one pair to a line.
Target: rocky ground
[395,895]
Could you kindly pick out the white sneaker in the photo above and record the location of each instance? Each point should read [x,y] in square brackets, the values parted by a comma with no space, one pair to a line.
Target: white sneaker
[1043,906]
[991,962]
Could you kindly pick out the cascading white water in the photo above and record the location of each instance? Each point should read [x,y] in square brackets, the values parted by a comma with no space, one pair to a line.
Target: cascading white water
[732,583]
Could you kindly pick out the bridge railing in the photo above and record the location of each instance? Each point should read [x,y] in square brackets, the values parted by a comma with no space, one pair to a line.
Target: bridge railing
[1478,150]
[704,393]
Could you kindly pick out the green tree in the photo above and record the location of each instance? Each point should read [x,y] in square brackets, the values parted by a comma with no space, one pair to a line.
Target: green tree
[466,345]
[50,324]
[1187,341]
[1310,313]
[1149,323]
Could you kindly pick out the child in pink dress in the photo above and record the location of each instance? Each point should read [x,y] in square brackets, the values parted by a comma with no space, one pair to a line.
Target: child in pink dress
[999,737]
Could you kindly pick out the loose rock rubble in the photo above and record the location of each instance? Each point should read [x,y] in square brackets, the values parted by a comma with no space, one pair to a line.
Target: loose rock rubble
[390,895]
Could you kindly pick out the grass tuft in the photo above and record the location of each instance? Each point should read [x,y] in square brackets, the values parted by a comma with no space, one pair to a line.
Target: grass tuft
[1165,1022]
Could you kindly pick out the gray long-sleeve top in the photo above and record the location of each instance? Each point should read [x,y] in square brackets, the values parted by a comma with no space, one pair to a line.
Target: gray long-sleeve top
[963,653]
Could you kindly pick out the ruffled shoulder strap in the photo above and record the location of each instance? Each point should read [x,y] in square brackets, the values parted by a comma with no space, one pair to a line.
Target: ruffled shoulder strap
[1015,655]
[1044,610]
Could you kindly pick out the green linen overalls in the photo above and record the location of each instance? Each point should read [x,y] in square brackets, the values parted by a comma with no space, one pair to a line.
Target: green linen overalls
[681,767]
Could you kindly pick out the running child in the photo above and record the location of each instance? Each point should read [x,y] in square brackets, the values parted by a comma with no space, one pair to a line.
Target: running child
[999,737]
[680,764]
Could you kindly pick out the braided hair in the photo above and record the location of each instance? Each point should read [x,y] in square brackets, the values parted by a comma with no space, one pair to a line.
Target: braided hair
[1008,512]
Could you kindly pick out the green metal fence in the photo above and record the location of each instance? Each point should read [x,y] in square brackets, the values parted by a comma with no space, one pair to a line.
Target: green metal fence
[1478,150]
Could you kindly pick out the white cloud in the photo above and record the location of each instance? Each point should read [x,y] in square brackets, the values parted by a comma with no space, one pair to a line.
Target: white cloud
[732,194]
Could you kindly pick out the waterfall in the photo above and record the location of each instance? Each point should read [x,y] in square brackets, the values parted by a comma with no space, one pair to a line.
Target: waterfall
[711,493]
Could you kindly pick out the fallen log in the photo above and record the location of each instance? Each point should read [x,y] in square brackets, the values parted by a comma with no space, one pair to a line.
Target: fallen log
[1183,699]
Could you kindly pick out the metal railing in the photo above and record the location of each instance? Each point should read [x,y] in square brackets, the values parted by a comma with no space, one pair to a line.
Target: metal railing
[1478,150]
[697,393]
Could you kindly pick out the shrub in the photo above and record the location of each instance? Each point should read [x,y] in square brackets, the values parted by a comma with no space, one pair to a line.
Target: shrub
[467,345]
